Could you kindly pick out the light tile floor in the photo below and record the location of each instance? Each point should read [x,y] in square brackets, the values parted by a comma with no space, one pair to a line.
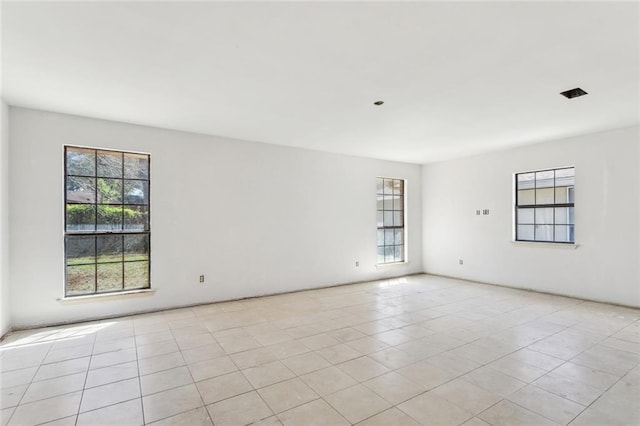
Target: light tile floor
[406,351]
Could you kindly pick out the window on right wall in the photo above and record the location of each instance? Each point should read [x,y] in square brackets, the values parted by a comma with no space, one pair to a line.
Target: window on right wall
[544,207]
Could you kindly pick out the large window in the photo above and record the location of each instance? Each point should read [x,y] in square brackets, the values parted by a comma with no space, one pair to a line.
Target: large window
[545,206]
[107,246]
[390,195]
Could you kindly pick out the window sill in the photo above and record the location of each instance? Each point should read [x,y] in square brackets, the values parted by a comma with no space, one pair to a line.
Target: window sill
[107,296]
[391,265]
[562,246]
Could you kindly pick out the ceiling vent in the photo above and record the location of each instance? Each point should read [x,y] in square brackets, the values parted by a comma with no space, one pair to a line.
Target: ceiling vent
[573,93]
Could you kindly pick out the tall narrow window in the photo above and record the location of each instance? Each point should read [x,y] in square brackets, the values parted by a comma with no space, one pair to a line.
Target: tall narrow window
[391,238]
[107,233]
[545,205]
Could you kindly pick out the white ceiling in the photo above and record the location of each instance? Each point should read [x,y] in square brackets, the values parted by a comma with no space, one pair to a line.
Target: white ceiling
[457,78]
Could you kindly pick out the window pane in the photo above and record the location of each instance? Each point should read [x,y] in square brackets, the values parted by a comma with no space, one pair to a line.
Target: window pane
[109,191]
[544,196]
[136,275]
[380,252]
[81,190]
[109,164]
[562,195]
[379,183]
[526,197]
[136,247]
[388,237]
[397,203]
[389,254]
[564,233]
[544,216]
[109,277]
[388,218]
[544,179]
[526,181]
[81,217]
[81,162]
[544,232]
[136,166]
[109,218]
[136,218]
[398,218]
[81,279]
[388,186]
[525,232]
[564,215]
[136,192]
[565,177]
[398,186]
[380,239]
[398,253]
[109,248]
[380,219]
[81,249]
[388,202]
[525,216]
[399,237]
[380,202]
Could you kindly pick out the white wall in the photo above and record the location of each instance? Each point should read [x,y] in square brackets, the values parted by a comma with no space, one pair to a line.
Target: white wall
[604,266]
[254,218]
[5,294]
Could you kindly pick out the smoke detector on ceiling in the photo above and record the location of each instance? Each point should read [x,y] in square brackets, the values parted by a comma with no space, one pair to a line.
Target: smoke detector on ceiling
[573,93]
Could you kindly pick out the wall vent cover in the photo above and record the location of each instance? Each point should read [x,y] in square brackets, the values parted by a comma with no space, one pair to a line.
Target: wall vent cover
[573,93]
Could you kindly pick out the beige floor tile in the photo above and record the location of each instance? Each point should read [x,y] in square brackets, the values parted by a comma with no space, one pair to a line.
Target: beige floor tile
[63,368]
[267,374]
[367,345]
[610,360]
[425,375]
[54,387]
[46,410]
[506,413]
[466,395]
[197,417]
[286,395]
[567,388]
[171,402]
[195,341]
[451,363]
[239,410]
[338,353]
[161,362]
[345,335]
[63,354]
[494,381]
[475,421]
[315,413]
[5,415]
[269,421]
[288,349]
[517,369]
[65,421]
[233,345]
[430,409]
[357,403]
[328,380]
[586,375]
[112,393]
[112,358]
[124,414]
[155,349]
[10,397]
[390,417]
[114,373]
[203,353]
[363,368]
[211,368]
[223,387]
[253,357]
[305,363]
[548,405]
[394,387]
[394,358]
[113,345]
[536,359]
[319,341]
[13,378]
[164,380]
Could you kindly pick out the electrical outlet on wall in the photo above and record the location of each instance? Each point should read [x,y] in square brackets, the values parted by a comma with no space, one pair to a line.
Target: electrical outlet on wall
[201,278]
[460,262]
[357,263]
